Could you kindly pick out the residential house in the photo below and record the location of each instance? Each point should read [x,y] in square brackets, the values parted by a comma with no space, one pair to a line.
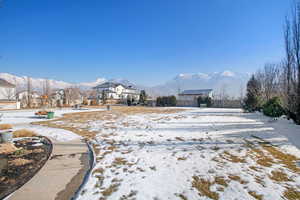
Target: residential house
[190,97]
[8,96]
[23,98]
[116,92]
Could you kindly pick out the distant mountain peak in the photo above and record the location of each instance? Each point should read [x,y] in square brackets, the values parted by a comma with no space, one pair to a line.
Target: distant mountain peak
[228,73]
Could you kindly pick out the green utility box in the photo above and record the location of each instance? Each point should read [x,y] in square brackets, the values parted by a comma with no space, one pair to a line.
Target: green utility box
[50,115]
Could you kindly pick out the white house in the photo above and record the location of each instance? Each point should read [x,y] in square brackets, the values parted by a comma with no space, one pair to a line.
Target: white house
[190,97]
[8,95]
[116,91]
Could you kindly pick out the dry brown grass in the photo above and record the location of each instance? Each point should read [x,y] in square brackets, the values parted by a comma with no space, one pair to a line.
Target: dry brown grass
[279,176]
[284,158]
[221,181]
[237,178]
[182,197]
[179,138]
[273,155]
[5,126]
[255,195]
[111,189]
[232,158]
[255,168]
[82,118]
[7,148]
[119,161]
[260,181]
[291,194]
[203,186]
[98,171]
[24,133]
[19,162]
[182,158]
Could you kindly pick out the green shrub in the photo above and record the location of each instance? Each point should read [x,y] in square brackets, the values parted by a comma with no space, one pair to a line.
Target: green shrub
[273,108]
[166,101]
[204,100]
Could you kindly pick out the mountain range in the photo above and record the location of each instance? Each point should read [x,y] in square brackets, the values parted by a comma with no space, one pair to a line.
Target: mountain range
[230,83]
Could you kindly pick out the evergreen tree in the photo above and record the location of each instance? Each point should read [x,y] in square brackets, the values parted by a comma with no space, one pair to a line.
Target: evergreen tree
[143,97]
[103,97]
[129,100]
[252,102]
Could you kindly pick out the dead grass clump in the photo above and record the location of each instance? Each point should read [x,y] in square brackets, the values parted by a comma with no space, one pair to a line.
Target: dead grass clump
[255,195]
[237,178]
[265,161]
[260,181]
[98,171]
[111,189]
[232,158]
[24,133]
[179,138]
[260,157]
[203,186]
[254,168]
[287,159]
[19,162]
[182,197]
[129,196]
[182,158]
[291,194]
[119,161]
[221,181]
[7,148]
[5,126]
[279,176]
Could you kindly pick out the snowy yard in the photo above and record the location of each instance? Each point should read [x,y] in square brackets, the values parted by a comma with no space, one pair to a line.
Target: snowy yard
[193,154]
[187,154]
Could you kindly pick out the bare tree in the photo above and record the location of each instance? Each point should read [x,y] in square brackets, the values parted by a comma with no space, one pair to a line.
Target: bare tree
[288,61]
[269,81]
[296,51]
[8,93]
[72,95]
[46,97]
[29,92]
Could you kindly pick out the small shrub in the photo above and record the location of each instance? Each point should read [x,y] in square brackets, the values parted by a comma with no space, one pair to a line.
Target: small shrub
[273,108]
[204,100]
[24,133]
[5,126]
[166,101]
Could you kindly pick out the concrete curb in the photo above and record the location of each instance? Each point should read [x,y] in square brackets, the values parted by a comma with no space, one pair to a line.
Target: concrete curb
[92,163]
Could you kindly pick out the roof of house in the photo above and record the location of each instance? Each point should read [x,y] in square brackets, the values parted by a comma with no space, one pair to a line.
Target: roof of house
[4,83]
[112,84]
[196,92]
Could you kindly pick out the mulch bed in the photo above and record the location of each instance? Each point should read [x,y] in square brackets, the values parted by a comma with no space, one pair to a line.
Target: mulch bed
[20,166]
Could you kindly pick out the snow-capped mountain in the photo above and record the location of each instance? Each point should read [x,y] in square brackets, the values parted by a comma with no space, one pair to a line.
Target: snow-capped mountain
[39,83]
[227,82]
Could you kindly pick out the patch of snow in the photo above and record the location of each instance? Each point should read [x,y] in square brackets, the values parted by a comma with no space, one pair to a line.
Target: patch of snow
[53,133]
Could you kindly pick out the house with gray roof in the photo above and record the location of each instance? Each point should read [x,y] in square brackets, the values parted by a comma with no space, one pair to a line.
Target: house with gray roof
[190,97]
[116,91]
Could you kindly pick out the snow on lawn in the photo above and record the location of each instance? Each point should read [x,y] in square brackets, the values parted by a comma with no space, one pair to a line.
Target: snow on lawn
[28,116]
[195,154]
[53,133]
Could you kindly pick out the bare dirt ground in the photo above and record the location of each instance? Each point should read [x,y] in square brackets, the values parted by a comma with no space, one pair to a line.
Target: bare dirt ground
[20,164]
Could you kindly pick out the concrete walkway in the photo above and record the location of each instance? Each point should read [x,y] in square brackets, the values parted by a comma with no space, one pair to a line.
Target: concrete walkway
[61,176]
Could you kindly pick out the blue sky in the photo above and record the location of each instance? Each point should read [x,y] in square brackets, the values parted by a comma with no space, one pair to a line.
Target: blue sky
[145,41]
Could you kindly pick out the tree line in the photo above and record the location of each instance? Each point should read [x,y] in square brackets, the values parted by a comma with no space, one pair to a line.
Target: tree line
[275,89]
